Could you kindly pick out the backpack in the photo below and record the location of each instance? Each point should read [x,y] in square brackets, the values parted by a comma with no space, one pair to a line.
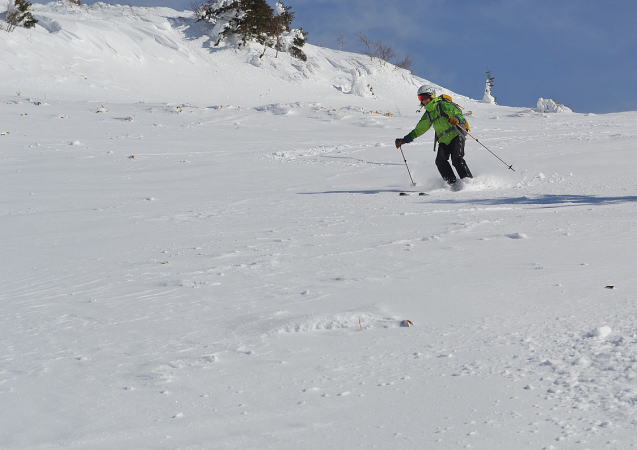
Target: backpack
[448,99]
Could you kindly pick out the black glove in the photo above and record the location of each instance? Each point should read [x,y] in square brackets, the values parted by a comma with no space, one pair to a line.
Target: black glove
[399,142]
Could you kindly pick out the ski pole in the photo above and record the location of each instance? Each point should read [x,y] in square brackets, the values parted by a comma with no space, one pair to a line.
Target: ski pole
[408,171]
[463,131]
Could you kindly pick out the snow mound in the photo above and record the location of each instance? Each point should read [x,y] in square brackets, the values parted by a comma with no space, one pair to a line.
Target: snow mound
[601,332]
[548,105]
[341,321]
[279,109]
[360,85]
[49,25]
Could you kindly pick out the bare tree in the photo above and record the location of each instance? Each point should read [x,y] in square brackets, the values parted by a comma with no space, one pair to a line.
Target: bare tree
[340,41]
[382,52]
[367,44]
[406,63]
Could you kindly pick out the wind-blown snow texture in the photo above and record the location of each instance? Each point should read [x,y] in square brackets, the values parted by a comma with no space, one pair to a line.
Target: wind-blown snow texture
[204,249]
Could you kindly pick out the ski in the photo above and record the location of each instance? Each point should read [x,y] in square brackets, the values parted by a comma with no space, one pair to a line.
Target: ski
[404,193]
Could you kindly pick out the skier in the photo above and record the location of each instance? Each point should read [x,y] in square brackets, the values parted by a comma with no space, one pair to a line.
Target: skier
[449,124]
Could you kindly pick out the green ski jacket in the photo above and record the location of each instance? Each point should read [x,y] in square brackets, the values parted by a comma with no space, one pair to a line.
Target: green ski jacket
[437,113]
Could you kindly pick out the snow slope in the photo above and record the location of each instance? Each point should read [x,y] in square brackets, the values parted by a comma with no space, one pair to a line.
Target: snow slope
[130,54]
[201,252]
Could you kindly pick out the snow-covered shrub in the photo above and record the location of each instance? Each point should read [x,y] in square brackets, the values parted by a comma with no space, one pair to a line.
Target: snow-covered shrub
[237,22]
[18,14]
[548,105]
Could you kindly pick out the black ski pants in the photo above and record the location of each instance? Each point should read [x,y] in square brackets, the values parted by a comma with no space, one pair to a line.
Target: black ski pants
[455,150]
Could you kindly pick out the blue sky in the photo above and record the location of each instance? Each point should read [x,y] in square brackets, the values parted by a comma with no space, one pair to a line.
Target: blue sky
[579,52]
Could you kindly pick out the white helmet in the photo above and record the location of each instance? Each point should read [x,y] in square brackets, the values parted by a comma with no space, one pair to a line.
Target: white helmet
[427,90]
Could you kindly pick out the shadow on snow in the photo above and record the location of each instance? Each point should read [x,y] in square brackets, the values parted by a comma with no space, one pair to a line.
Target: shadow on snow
[353,191]
[192,30]
[546,201]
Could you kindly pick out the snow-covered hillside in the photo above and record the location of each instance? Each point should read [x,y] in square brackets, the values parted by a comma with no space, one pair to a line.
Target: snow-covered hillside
[131,54]
[205,250]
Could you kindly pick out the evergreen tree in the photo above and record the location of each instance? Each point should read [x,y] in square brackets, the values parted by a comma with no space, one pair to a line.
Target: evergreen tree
[253,20]
[18,14]
[300,36]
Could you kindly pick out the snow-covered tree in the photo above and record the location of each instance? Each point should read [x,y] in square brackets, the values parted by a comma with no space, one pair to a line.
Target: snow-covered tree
[488,85]
[237,22]
[289,39]
[18,14]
